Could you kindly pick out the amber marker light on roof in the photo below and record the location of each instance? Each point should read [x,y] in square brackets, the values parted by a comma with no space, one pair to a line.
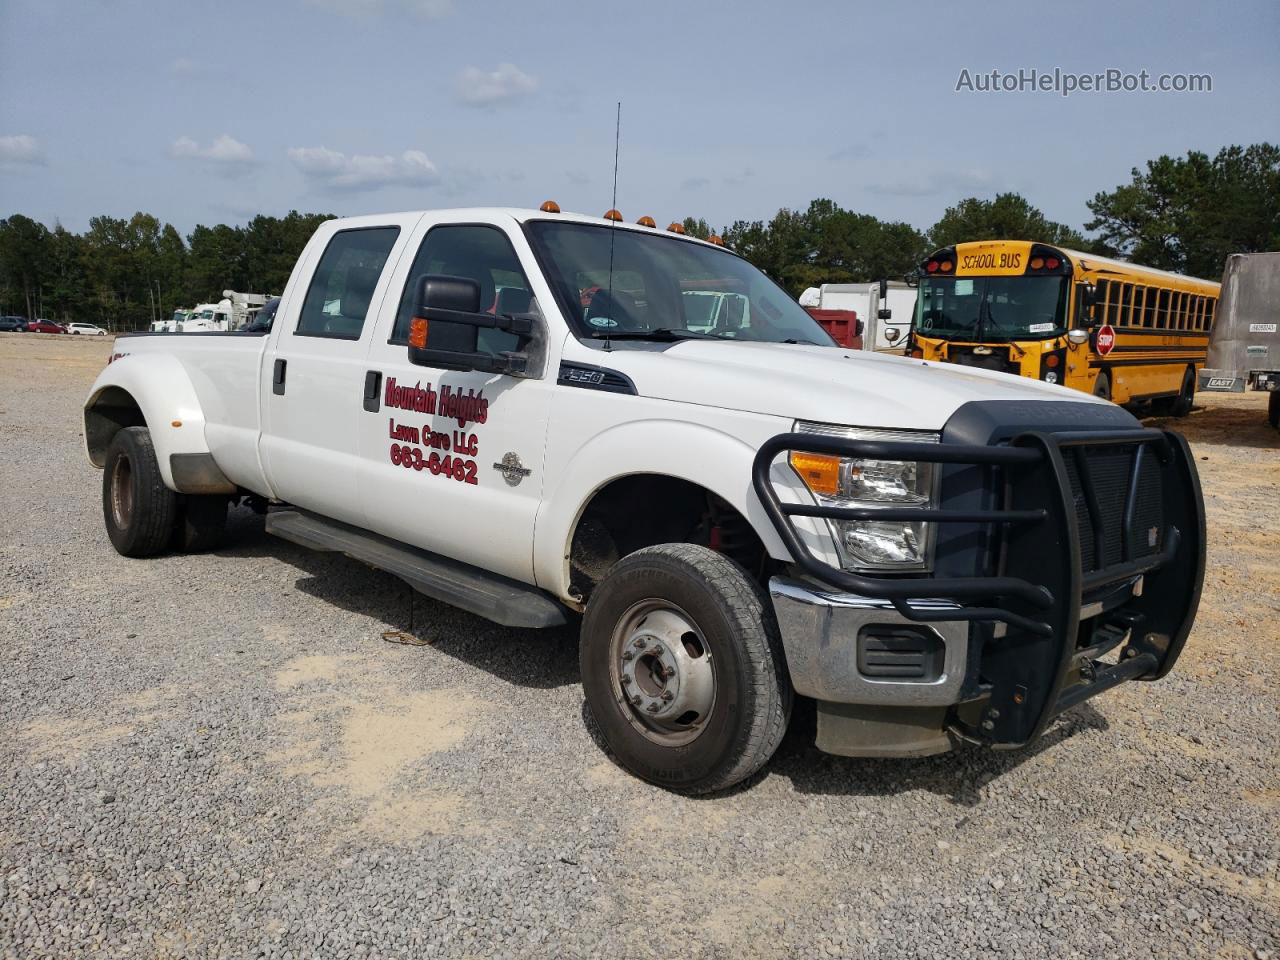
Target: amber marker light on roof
[716,240]
[613,215]
[675,228]
[550,206]
[646,222]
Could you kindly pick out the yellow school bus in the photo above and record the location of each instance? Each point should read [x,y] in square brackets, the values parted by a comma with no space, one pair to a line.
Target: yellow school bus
[1116,330]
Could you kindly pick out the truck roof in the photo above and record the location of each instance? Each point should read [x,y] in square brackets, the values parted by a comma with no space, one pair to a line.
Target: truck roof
[523,215]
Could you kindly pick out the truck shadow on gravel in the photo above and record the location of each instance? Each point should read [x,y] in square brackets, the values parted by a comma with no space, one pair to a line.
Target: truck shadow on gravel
[960,775]
[547,659]
[1235,426]
[540,659]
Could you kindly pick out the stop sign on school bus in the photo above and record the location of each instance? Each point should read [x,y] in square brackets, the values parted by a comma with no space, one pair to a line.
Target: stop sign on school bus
[1105,339]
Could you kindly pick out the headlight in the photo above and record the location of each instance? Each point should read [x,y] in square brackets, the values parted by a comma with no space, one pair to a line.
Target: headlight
[873,545]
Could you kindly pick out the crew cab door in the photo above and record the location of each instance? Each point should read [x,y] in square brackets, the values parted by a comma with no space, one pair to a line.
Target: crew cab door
[453,460]
[313,378]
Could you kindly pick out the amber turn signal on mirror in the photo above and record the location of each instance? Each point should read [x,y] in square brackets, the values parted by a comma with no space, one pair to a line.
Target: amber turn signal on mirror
[418,332]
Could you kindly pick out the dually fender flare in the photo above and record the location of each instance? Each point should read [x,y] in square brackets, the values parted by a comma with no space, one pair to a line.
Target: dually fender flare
[709,457]
[159,386]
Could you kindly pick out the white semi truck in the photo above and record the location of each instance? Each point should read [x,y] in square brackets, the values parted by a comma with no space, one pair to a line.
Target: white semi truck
[509,410]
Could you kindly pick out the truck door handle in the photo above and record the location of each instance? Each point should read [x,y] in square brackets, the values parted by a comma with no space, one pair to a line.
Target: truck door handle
[277,378]
[372,390]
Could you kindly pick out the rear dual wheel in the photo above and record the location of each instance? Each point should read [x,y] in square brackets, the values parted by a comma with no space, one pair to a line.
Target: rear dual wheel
[143,516]
[683,670]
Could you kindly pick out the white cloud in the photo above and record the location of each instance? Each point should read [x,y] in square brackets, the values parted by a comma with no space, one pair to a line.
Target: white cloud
[426,9]
[226,156]
[479,88]
[20,148]
[332,170]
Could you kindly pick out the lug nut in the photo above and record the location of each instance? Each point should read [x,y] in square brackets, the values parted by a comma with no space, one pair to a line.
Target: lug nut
[657,650]
[635,701]
[626,681]
[669,672]
[988,725]
[627,654]
[668,695]
[652,708]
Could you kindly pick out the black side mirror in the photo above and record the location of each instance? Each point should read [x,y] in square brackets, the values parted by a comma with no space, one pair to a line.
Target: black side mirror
[885,313]
[884,292]
[446,327]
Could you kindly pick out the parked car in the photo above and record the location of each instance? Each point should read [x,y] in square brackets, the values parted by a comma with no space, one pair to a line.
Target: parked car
[87,329]
[262,322]
[13,324]
[741,514]
[45,326]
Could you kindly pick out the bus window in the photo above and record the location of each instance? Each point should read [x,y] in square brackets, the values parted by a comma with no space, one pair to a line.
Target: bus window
[1102,296]
[1212,304]
[1162,310]
[1124,315]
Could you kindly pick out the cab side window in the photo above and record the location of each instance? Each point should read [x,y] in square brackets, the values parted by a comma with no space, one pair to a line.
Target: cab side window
[341,289]
[479,253]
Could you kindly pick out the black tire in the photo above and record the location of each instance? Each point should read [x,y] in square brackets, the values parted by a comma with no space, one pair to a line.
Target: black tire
[139,510]
[733,628]
[1102,387]
[1186,398]
[1273,409]
[202,523]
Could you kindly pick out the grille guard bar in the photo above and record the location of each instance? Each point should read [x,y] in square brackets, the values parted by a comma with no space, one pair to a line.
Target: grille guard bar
[1037,668]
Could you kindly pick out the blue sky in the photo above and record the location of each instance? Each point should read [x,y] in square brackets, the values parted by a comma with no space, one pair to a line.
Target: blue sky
[201,112]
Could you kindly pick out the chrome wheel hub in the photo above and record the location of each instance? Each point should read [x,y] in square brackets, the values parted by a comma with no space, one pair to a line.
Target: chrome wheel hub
[663,672]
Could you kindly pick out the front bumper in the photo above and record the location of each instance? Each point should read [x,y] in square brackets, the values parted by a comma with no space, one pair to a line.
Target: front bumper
[1093,547]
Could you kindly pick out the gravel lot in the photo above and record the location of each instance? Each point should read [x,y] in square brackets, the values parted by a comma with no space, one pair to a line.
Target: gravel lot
[219,756]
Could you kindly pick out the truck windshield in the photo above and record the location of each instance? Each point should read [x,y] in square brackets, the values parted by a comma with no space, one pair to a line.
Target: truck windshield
[664,287]
[992,308]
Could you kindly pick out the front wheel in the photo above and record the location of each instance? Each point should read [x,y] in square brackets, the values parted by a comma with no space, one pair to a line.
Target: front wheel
[683,670]
[1102,387]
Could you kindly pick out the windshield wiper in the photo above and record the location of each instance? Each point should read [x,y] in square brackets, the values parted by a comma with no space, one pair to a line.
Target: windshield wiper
[664,334]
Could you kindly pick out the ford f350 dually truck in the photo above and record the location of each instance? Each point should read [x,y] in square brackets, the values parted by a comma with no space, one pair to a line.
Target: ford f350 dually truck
[508,410]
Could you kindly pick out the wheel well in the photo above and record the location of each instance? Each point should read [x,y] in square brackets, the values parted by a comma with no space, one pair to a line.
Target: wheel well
[111,411]
[643,510]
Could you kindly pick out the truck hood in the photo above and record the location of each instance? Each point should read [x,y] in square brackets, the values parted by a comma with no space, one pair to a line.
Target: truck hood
[822,384]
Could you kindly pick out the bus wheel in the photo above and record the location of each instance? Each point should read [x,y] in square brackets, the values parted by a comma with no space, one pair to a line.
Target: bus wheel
[1102,387]
[1187,395]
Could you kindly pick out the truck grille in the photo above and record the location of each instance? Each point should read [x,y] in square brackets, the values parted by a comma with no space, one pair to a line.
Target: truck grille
[1100,477]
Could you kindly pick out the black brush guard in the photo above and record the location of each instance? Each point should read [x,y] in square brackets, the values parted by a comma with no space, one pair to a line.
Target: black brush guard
[1040,661]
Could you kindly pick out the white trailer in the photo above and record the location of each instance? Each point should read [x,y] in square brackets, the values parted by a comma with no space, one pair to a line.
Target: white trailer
[885,320]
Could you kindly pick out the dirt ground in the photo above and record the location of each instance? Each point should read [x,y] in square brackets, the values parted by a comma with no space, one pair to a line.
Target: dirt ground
[219,755]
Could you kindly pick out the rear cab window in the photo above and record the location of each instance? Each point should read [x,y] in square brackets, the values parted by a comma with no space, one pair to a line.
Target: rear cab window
[340,294]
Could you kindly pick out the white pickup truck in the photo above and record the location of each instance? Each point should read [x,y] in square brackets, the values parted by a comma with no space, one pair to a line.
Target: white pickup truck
[509,410]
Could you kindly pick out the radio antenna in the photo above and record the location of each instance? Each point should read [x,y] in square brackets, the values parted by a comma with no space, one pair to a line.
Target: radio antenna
[617,139]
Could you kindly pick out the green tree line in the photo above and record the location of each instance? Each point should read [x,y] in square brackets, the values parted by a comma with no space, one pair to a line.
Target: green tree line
[123,274]
[1184,214]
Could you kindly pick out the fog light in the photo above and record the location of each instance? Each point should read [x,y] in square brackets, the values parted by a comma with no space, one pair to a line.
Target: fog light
[1051,377]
